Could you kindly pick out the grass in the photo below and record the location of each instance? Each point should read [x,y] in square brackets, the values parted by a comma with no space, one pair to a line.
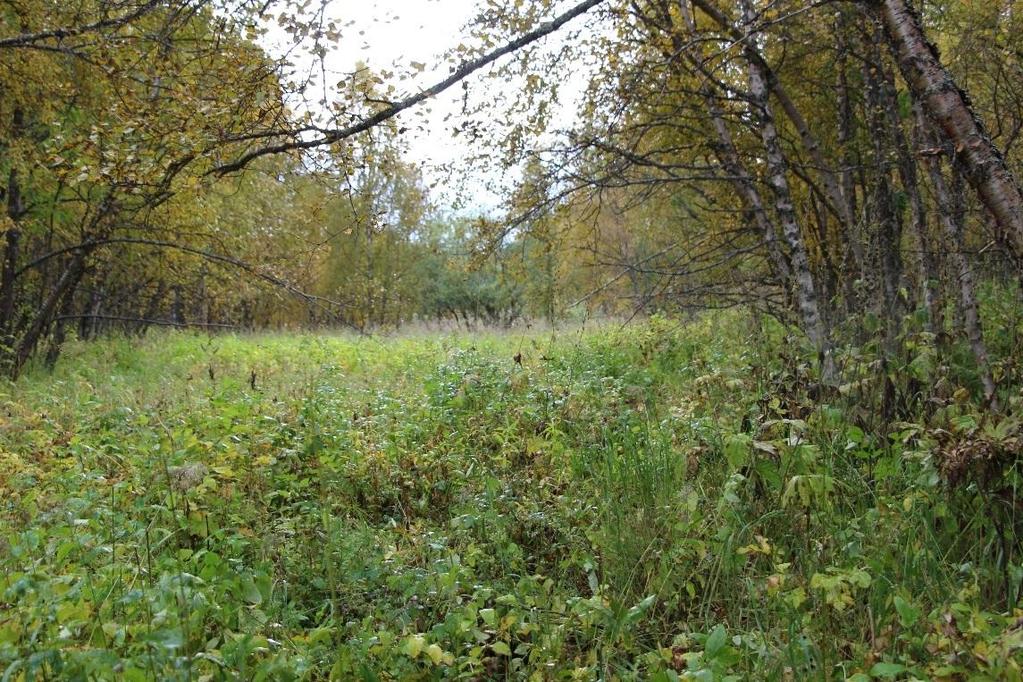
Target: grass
[662,502]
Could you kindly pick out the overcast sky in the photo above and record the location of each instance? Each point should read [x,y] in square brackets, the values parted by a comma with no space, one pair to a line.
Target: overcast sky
[392,34]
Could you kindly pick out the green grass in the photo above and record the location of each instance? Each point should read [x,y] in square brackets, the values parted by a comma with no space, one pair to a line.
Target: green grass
[661,502]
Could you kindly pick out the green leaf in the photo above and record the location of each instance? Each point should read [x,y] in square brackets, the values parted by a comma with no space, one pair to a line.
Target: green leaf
[167,639]
[716,641]
[250,592]
[637,611]
[501,648]
[796,597]
[737,449]
[887,669]
[908,614]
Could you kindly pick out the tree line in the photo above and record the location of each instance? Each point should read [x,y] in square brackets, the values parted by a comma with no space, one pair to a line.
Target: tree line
[844,166]
[822,161]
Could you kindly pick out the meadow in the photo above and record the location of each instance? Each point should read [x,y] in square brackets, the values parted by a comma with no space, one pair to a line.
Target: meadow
[670,500]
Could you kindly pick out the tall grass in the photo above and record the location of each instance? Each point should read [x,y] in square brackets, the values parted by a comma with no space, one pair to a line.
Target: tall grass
[661,501]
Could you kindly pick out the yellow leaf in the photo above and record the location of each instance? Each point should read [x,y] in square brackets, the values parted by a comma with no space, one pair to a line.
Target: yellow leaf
[414,645]
[435,653]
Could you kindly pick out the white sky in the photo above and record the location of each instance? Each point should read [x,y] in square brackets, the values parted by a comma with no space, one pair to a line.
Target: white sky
[389,35]
[393,34]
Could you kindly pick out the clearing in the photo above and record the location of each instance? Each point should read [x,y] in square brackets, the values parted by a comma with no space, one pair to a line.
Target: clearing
[651,502]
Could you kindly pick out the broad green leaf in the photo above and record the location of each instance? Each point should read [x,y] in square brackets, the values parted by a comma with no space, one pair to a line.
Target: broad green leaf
[887,669]
[716,641]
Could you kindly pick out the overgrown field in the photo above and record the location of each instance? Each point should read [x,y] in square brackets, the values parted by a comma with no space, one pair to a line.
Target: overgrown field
[665,501]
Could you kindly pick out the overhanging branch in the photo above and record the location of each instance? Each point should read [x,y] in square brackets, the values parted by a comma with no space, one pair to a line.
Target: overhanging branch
[30,39]
[459,74]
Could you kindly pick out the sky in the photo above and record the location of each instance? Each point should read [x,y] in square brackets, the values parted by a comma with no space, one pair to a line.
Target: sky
[392,35]
[395,35]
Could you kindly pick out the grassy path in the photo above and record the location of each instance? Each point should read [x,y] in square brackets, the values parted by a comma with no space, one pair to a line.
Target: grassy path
[652,503]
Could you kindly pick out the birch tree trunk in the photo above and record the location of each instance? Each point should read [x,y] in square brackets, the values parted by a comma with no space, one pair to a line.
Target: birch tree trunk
[838,203]
[729,157]
[949,108]
[743,183]
[884,89]
[927,265]
[777,177]
[952,218]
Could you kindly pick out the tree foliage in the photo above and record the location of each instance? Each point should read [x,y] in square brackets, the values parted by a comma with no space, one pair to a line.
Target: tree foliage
[822,163]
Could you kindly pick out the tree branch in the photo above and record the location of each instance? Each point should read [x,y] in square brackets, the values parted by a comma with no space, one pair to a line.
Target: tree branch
[459,74]
[142,320]
[209,255]
[29,39]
